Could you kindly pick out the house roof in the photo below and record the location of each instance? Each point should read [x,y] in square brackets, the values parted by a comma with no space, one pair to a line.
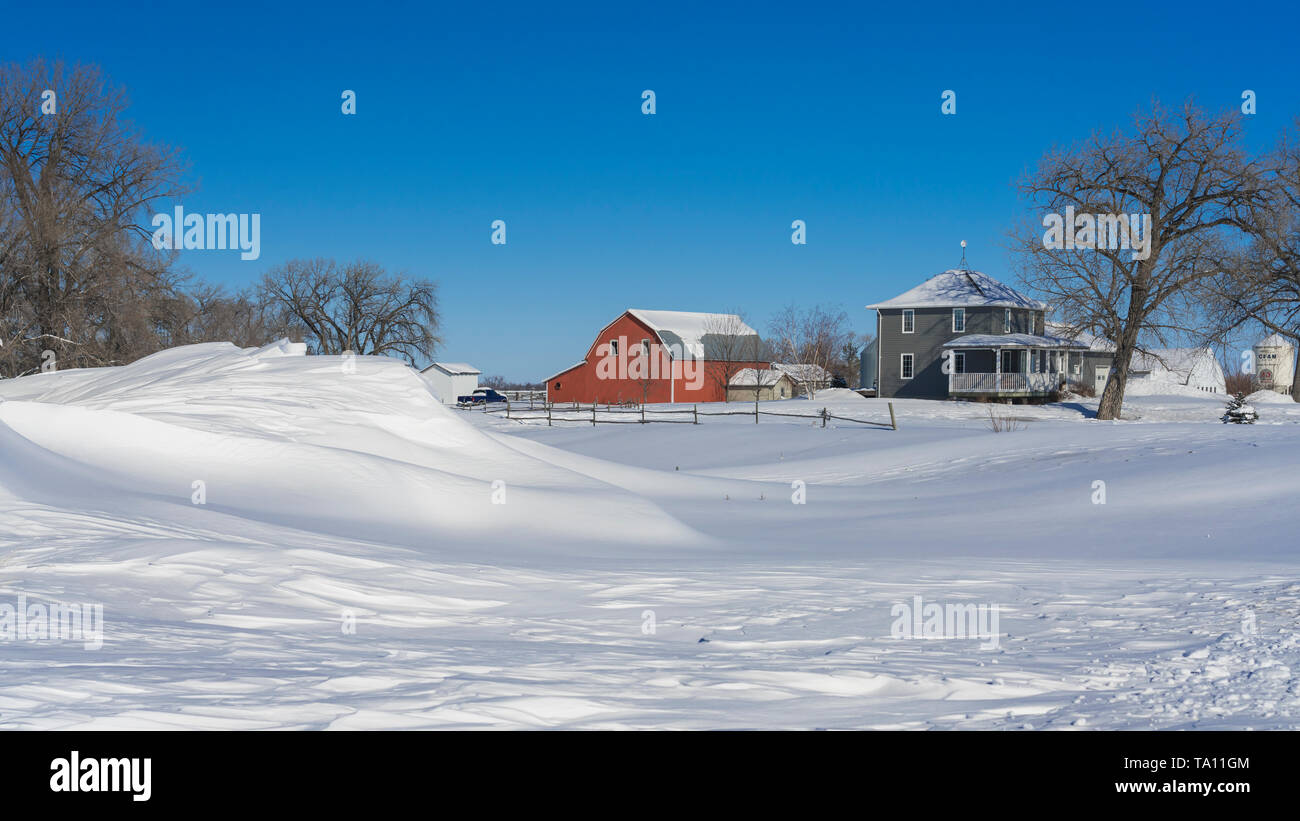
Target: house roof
[453,368]
[694,335]
[750,377]
[1095,343]
[803,372]
[961,288]
[1012,341]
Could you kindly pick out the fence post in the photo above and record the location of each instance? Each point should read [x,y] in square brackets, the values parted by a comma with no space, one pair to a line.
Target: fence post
[755,407]
[548,414]
[643,413]
[893,423]
[695,411]
[823,417]
[507,408]
[593,414]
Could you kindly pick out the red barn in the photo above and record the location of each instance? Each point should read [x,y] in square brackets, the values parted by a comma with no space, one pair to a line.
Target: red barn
[660,356]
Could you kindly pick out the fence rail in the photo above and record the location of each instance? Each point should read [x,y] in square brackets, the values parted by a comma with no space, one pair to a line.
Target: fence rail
[591,413]
[1004,382]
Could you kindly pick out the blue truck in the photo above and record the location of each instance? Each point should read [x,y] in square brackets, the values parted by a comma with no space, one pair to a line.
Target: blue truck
[482,396]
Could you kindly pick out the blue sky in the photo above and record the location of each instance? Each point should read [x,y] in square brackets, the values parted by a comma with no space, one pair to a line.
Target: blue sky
[532,114]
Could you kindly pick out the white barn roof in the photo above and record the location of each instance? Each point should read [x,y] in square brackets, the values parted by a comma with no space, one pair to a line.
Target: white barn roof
[686,331]
[959,288]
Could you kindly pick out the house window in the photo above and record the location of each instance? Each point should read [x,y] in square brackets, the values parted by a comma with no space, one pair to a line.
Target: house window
[1006,321]
[959,320]
[645,347]
[959,362]
[909,320]
[907,365]
[613,347]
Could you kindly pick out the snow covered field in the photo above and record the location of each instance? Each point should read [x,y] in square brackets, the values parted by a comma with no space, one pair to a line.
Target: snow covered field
[288,541]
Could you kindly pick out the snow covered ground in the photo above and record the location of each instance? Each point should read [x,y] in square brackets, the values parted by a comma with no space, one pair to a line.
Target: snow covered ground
[308,542]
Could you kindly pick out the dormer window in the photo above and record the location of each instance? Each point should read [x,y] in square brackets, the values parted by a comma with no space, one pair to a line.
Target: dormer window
[958,320]
[909,321]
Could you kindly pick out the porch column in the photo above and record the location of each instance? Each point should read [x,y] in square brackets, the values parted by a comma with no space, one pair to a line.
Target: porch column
[952,367]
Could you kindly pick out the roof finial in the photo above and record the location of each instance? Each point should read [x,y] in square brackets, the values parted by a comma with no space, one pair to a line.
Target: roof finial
[964,266]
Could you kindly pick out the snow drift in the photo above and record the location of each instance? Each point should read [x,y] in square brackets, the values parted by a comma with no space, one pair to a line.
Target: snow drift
[355,447]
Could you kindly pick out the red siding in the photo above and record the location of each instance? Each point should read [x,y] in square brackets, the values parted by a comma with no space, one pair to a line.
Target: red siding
[593,381]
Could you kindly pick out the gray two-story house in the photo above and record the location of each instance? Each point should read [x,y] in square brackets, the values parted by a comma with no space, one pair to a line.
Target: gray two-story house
[963,334]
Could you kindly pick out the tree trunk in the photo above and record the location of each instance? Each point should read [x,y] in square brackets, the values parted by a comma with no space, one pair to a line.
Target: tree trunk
[1112,397]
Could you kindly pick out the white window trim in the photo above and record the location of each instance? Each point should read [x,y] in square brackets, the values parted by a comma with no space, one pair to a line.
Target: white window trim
[909,312]
[902,357]
[1006,320]
[962,329]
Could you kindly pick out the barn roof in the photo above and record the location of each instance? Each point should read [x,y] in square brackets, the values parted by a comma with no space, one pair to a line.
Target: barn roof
[697,335]
[960,288]
[1180,361]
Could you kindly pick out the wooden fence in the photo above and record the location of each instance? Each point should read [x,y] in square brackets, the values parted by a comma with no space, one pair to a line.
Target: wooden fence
[577,412]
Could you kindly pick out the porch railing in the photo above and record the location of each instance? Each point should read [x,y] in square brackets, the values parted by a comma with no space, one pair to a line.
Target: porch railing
[1004,382]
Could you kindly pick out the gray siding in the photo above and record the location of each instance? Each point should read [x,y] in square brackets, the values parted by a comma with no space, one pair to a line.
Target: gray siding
[933,329]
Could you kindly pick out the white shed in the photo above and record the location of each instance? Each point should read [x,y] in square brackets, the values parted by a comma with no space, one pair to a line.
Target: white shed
[451,379]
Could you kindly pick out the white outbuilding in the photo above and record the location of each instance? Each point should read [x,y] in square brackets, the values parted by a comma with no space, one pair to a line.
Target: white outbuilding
[451,379]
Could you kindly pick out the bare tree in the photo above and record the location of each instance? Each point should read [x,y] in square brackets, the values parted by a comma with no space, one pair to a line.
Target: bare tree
[813,337]
[206,313]
[1186,171]
[731,346]
[78,276]
[1261,283]
[356,307]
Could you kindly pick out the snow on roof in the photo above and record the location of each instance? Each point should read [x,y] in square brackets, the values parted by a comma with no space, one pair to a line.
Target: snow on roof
[1094,343]
[803,372]
[453,368]
[1273,341]
[1012,341]
[691,333]
[749,377]
[1180,361]
[960,288]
